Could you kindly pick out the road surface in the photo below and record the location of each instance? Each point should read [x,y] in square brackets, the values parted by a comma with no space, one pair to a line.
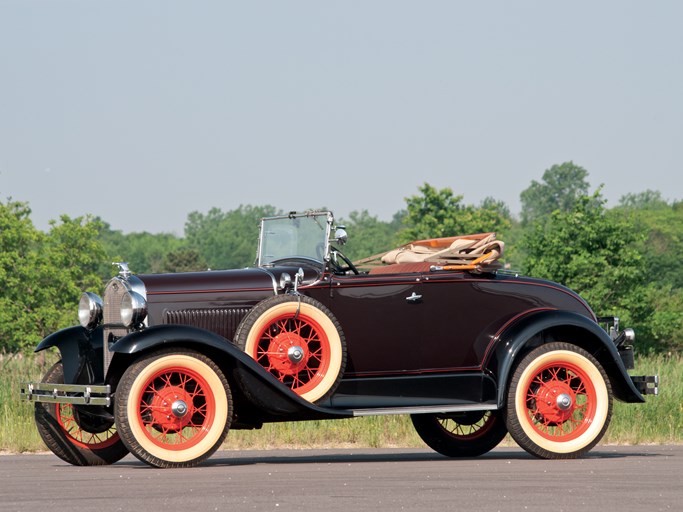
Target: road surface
[624,478]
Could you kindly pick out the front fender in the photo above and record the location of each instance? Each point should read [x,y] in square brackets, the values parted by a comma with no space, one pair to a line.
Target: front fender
[81,353]
[582,331]
[259,386]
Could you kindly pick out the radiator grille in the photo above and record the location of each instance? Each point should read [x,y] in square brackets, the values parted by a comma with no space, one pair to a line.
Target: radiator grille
[112,316]
[222,321]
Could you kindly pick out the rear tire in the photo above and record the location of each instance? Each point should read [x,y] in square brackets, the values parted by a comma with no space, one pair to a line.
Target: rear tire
[559,402]
[465,434]
[72,435]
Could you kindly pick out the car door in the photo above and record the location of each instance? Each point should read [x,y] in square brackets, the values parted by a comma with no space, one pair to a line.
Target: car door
[381,320]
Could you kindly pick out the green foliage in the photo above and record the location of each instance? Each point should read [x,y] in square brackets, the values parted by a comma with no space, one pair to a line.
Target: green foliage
[560,189]
[599,254]
[183,260]
[625,261]
[657,311]
[438,213]
[144,252]
[42,275]
[368,235]
[226,239]
[647,200]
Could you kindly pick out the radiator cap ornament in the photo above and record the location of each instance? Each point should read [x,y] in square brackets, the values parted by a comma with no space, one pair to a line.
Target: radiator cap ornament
[124,271]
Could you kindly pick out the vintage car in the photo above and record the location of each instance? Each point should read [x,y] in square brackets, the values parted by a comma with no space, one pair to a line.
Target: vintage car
[163,366]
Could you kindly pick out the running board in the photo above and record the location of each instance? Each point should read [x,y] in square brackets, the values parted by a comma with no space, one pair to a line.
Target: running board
[425,409]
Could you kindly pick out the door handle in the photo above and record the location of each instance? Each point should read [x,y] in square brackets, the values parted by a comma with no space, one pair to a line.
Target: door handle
[414,298]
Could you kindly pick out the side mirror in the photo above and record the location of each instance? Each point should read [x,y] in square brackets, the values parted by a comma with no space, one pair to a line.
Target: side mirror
[340,235]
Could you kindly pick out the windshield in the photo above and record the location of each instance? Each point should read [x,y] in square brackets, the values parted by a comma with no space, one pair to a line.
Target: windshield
[297,235]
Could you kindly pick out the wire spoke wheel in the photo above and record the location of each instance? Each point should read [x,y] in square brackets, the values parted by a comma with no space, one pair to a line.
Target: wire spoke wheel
[174,409]
[75,435]
[100,438]
[298,341]
[463,434]
[559,401]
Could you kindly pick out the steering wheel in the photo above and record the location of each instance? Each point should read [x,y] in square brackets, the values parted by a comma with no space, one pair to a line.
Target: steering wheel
[344,268]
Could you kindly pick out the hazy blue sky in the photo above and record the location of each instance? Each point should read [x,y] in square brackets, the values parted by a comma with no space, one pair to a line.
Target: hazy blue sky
[141,112]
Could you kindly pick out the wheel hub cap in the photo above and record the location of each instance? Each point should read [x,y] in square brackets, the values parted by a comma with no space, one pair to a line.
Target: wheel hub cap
[287,353]
[564,402]
[555,402]
[179,408]
[295,354]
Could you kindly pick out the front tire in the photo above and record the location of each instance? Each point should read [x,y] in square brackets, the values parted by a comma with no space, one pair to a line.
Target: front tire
[559,402]
[73,435]
[464,434]
[173,408]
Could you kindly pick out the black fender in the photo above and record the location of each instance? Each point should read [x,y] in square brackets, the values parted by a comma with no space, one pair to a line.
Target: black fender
[258,385]
[583,332]
[81,353]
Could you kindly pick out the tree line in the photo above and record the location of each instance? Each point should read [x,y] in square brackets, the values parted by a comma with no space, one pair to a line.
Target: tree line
[625,260]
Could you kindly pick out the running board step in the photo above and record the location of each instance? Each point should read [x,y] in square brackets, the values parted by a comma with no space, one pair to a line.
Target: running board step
[425,409]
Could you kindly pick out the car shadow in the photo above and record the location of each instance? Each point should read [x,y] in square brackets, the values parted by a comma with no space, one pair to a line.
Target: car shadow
[392,455]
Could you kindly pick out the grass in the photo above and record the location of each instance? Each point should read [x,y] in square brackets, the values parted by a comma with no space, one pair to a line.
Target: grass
[659,421]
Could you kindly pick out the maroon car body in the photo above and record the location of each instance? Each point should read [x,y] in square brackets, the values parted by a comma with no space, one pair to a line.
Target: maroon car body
[470,354]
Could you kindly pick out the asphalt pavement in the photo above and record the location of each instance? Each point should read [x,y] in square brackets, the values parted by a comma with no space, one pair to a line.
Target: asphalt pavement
[619,478]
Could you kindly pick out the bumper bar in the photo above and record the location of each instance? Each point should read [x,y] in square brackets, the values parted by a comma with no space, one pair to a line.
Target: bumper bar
[67,393]
[646,384]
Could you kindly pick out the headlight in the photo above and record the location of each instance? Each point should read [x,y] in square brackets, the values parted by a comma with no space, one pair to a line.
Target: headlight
[90,310]
[133,309]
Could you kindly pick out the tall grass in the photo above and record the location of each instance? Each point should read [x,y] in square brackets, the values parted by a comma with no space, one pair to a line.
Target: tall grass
[18,432]
[658,421]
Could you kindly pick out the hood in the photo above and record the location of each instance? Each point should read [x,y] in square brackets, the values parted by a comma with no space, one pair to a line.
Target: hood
[219,282]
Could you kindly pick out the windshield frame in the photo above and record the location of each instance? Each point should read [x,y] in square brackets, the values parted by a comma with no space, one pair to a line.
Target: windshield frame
[293,229]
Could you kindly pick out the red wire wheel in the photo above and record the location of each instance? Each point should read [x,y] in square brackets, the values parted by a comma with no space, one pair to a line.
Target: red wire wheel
[461,434]
[72,434]
[175,408]
[80,437]
[559,402]
[298,341]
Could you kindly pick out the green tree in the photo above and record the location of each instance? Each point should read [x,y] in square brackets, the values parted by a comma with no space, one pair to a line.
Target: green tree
[561,187]
[599,254]
[438,213]
[183,260]
[658,309]
[587,250]
[43,274]
[368,235]
[226,239]
[144,252]
[19,241]
[647,200]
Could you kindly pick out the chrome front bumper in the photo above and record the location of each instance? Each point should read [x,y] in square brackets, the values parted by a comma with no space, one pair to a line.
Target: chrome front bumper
[67,393]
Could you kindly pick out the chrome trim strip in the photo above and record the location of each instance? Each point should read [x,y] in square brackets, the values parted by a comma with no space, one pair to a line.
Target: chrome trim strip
[425,409]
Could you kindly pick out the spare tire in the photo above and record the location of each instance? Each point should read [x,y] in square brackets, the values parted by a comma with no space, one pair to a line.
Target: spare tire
[299,341]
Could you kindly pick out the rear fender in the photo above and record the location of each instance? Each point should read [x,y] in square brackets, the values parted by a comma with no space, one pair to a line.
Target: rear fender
[541,327]
[258,385]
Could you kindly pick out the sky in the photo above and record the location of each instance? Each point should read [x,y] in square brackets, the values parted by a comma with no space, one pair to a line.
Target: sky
[141,112]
